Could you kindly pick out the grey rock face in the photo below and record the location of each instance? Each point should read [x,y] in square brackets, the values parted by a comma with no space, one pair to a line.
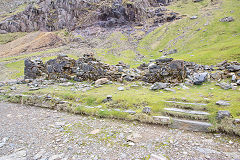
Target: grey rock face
[33,69]
[222,114]
[55,15]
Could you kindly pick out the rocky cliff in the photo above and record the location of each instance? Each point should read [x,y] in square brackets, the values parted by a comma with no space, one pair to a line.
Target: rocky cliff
[50,15]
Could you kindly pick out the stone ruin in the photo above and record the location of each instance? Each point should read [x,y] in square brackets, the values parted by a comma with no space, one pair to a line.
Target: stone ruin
[164,70]
[89,68]
[167,70]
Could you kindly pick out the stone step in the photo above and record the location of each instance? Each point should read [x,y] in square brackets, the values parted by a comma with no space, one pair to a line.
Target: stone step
[190,125]
[187,111]
[187,105]
[186,114]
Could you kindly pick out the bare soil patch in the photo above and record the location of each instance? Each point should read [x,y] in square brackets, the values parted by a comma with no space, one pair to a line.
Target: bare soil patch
[32,42]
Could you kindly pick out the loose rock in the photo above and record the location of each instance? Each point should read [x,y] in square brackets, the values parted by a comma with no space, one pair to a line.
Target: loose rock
[222,103]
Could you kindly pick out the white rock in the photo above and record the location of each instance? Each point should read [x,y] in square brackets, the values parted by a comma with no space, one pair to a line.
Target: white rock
[157,157]
[96,131]
[2,144]
[57,157]
[39,155]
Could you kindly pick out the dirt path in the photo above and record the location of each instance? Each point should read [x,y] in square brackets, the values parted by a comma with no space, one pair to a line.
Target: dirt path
[36,133]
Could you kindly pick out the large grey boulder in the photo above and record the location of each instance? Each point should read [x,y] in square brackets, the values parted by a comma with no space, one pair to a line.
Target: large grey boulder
[199,78]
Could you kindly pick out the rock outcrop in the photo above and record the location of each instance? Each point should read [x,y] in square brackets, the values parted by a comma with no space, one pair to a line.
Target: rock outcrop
[167,71]
[51,15]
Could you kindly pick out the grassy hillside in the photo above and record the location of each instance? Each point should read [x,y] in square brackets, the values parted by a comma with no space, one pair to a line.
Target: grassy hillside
[204,40]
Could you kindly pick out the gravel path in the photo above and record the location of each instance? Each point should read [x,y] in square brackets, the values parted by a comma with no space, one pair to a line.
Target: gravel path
[37,133]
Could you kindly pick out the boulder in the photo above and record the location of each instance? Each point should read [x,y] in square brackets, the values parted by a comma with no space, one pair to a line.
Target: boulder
[199,78]
[101,81]
[194,17]
[226,19]
[216,75]
[233,68]
[173,51]
[161,120]
[121,88]
[234,78]
[222,114]
[147,110]
[238,82]
[224,85]
[159,85]
[108,99]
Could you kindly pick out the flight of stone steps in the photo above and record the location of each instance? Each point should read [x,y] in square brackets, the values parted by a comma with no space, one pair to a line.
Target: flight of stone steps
[188,116]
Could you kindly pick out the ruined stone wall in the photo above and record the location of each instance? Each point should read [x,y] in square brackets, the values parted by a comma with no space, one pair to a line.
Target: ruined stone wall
[89,68]
[160,70]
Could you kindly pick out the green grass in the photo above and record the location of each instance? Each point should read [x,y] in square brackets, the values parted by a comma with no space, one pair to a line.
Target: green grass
[117,48]
[136,99]
[9,37]
[16,69]
[205,40]
[24,56]
[214,42]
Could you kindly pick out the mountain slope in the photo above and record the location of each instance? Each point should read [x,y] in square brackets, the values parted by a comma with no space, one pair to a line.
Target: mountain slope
[204,40]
